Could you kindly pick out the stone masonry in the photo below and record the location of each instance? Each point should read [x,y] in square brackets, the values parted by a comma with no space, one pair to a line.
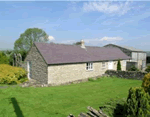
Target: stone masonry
[38,67]
[59,74]
[127,74]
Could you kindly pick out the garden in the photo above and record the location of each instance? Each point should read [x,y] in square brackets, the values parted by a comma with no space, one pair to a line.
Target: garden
[115,96]
[60,101]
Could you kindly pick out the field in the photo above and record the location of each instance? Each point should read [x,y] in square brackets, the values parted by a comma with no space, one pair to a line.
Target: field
[59,101]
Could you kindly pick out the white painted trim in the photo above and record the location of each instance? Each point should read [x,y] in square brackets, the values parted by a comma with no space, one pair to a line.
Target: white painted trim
[90,66]
[28,70]
[110,62]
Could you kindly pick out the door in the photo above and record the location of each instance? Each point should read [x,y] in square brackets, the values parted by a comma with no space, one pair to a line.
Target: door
[29,69]
[110,65]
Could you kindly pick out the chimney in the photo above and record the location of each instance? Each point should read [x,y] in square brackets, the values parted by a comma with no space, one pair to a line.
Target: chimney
[82,44]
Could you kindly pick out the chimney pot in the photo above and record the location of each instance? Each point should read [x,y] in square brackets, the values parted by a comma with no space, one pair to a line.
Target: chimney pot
[82,44]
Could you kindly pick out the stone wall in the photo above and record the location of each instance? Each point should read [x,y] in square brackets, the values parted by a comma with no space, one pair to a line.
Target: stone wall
[59,74]
[38,67]
[126,74]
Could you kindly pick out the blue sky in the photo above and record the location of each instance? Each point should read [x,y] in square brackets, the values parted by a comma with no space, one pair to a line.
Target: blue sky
[97,23]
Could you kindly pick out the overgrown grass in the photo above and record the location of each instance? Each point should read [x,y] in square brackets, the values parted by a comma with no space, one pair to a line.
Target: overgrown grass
[59,101]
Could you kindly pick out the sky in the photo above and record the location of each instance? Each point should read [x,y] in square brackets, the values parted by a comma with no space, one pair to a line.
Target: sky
[125,23]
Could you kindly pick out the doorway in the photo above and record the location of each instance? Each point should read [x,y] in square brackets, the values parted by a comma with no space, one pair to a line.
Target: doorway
[110,65]
[29,69]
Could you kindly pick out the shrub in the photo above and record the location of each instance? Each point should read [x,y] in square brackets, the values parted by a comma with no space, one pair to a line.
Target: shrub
[118,65]
[147,69]
[133,68]
[91,79]
[11,75]
[138,103]
[146,83]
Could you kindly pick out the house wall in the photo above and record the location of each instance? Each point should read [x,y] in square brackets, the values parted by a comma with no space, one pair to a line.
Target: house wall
[140,58]
[38,67]
[58,74]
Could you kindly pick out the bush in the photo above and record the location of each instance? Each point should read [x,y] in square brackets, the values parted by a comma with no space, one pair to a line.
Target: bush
[118,65]
[3,58]
[11,75]
[91,79]
[146,83]
[138,103]
[147,69]
[133,68]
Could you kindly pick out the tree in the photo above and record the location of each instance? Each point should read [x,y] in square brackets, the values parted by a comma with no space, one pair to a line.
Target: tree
[118,65]
[77,43]
[3,58]
[30,36]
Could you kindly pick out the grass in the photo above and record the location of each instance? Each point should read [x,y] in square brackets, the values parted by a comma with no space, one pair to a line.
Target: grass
[60,101]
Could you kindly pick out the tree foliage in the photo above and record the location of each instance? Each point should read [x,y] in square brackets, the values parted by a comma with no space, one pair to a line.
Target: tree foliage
[118,65]
[146,83]
[147,69]
[3,58]
[138,103]
[30,36]
[133,68]
[77,43]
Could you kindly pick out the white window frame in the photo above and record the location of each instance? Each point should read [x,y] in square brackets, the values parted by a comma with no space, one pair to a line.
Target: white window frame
[103,65]
[89,66]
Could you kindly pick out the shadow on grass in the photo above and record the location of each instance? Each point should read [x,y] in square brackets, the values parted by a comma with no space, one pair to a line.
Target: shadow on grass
[17,109]
[119,111]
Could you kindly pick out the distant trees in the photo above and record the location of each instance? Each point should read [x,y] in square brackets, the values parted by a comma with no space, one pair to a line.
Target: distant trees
[77,43]
[3,58]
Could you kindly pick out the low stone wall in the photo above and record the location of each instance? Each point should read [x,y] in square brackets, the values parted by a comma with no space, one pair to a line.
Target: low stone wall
[126,74]
[35,83]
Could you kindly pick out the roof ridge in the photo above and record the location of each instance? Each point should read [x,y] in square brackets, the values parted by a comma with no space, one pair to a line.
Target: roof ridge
[58,44]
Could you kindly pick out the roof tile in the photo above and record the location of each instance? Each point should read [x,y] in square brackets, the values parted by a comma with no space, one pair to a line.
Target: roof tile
[61,53]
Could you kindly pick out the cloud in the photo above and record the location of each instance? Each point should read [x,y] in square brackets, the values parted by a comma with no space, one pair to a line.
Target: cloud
[103,41]
[96,41]
[119,8]
[68,41]
[51,38]
[111,39]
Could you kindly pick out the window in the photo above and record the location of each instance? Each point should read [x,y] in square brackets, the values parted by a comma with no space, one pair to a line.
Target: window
[89,66]
[103,65]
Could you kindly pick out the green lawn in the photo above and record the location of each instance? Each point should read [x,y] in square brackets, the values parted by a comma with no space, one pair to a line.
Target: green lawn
[59,101]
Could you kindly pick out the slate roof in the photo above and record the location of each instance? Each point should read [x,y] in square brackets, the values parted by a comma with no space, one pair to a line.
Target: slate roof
[128,48]
[62,53]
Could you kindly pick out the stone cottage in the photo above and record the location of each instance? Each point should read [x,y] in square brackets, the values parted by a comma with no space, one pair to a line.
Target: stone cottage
[51,63]
[136,55]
